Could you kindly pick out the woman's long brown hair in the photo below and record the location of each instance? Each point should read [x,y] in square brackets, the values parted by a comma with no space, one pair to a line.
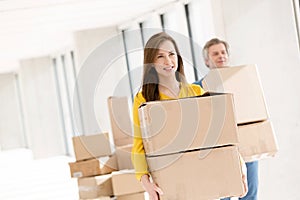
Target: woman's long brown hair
[150,77]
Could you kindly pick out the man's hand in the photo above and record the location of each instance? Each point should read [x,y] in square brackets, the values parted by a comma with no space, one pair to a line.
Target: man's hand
[244,179]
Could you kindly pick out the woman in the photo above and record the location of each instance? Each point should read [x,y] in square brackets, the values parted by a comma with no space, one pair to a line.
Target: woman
[163,78]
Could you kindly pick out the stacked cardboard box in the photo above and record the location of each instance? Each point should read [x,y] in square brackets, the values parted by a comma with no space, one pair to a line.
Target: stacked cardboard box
[93,167]
[95,186]
[190,146]
[91,146]
[125,185]
[94,163]
[93,156]
[121,129]
[120,185]
[135,196]
[257,139]
[101,173]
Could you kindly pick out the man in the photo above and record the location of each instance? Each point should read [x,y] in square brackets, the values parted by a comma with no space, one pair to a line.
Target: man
[216,54]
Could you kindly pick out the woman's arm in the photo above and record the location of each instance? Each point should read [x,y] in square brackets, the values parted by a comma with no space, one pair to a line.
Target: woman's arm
[138,154]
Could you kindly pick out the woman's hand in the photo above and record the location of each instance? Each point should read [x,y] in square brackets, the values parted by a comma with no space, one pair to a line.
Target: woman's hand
[151,188]
[244,179]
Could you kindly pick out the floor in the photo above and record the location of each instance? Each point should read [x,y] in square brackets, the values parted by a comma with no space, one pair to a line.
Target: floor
[28,179]
[23,178]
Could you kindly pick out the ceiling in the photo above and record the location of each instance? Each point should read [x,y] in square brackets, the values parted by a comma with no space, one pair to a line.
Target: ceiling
[30,28]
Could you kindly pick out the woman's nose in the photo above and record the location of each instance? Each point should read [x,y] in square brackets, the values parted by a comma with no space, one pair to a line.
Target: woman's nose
[168,60]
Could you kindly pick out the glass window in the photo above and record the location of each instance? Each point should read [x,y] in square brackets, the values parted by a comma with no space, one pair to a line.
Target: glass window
[151,26]
[297,19]
[202,27]
[63,101]
[176,25]
[134,51]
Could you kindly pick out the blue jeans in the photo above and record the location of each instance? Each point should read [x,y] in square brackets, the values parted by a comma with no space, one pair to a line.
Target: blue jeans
[252,178]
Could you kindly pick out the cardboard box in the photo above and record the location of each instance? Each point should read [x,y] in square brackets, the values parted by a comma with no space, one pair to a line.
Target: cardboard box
[94,187]
[91,146]
[100,198]
[93,167]
[203,174]
[257,141]
[137,196]
[124,183]
[123,154]
[173,126]
[244,83]
[120,120]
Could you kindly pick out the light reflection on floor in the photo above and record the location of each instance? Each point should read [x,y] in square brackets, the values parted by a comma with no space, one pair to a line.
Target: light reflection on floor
[21,177]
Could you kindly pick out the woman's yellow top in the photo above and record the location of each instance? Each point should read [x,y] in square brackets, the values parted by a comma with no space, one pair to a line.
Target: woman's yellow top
[138,153]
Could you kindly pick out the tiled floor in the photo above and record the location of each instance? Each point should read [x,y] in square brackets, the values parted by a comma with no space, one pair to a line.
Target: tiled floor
[21,177]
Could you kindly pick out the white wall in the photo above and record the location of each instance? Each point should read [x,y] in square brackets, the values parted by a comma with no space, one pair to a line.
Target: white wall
[108,77]
[11,132]
[41,110]
[263,32]
[85,41]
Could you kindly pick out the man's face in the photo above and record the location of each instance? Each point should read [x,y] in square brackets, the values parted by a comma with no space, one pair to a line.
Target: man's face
[217,56]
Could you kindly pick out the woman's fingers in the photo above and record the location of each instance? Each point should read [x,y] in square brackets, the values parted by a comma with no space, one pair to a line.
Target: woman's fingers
[157,189]
[151,188]
[154,196]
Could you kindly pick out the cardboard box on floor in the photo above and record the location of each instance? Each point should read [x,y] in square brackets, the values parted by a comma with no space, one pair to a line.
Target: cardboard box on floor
[123,154]
[121,130]
[257,141]
[124,182]
[120,120]
[244,83]
[94,187]
[91,146]
[100,198]
[136,196]
[203,174]
[172,126]
[93,167]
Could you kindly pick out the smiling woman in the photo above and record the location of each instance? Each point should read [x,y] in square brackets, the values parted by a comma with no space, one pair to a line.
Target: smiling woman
[163,78]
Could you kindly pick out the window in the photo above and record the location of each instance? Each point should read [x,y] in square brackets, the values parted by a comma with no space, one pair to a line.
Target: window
[176,25]
[202,28]
[134,51]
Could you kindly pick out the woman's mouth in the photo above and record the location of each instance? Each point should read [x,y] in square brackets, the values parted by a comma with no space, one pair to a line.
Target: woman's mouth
[169,68]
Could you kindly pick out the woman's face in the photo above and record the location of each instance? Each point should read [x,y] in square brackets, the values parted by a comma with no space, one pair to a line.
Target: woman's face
[165,60]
